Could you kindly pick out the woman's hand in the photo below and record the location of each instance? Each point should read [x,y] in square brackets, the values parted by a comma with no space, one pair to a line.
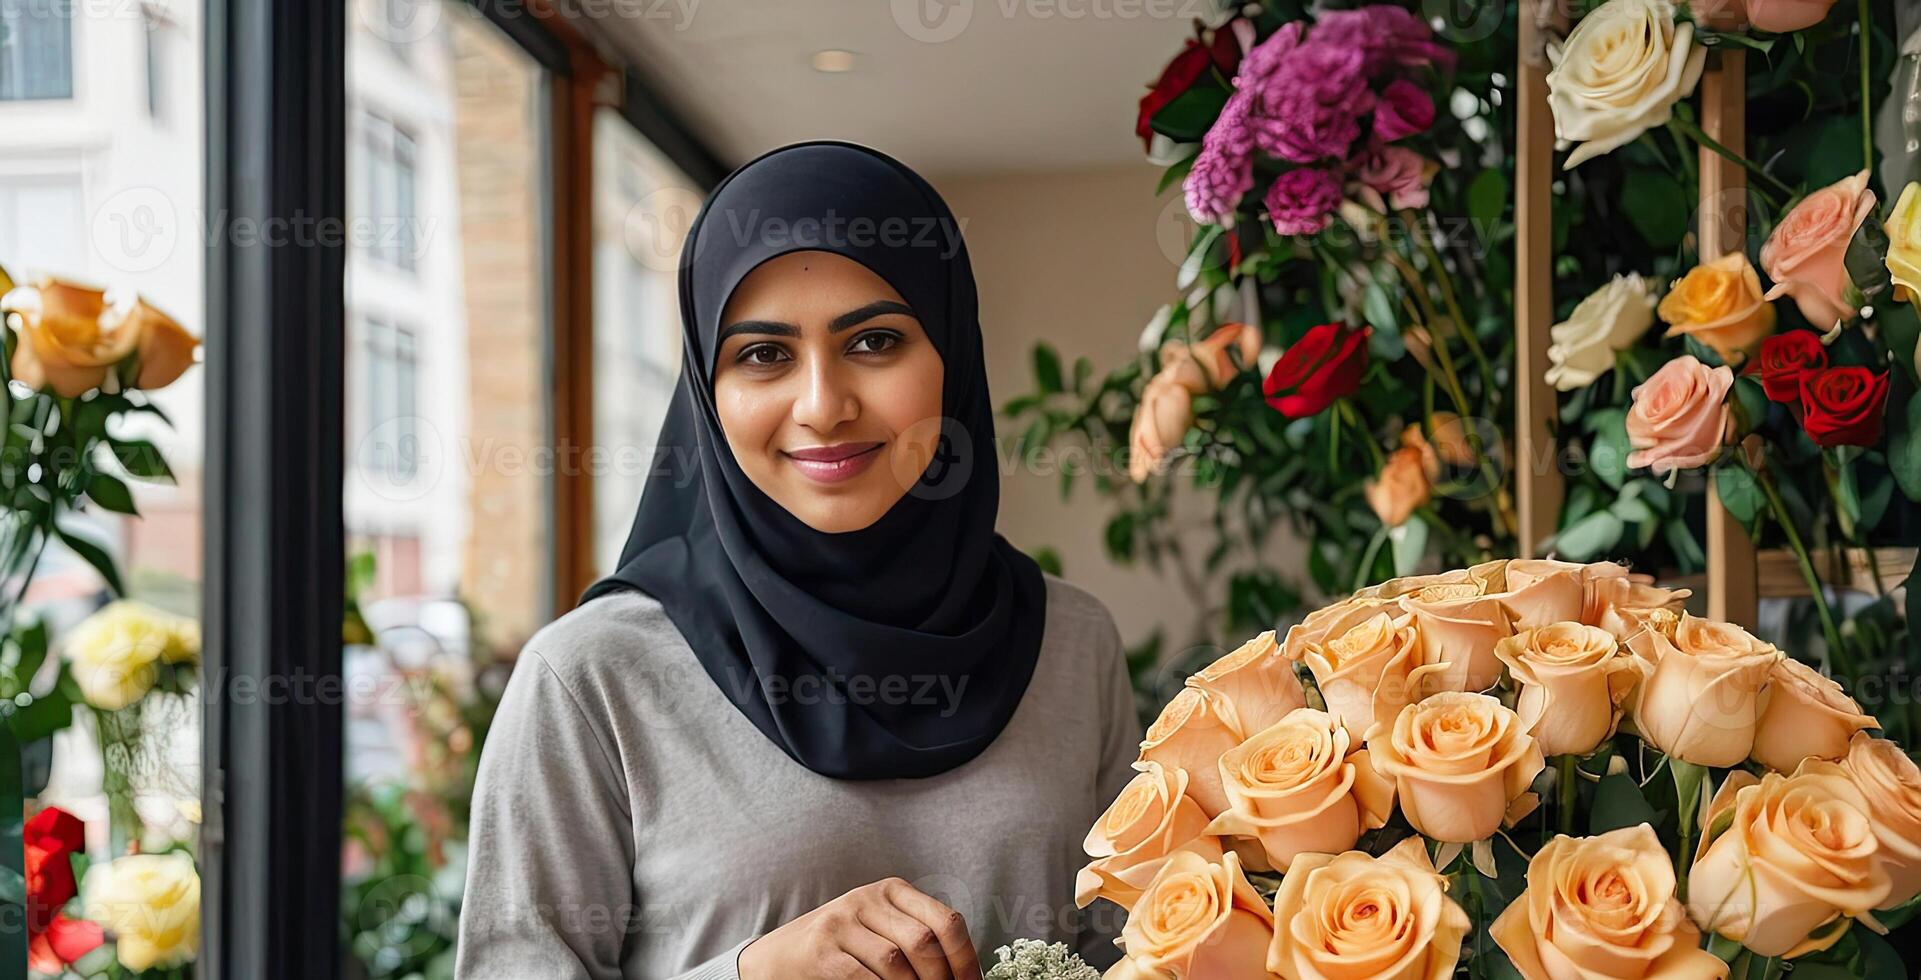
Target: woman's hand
[886,930]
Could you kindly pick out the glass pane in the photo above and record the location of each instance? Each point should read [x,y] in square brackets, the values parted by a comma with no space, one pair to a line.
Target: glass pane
[447,494]
[643,205]
[100,210]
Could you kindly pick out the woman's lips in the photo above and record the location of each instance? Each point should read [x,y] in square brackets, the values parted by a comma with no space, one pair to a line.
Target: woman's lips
[832,464]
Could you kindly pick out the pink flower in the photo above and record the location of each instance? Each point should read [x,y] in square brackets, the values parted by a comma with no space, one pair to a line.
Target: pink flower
[1224,171]
[1301,200]
[1679,418]
[1308,99]
[1402,111]
[1396,173]
[1386,33]
[1806,256]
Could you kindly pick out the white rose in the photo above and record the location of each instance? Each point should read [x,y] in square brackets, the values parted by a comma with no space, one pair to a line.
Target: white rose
[1619,74]
[1610,320]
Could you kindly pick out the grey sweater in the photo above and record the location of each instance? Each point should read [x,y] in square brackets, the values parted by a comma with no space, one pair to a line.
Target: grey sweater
[628,821]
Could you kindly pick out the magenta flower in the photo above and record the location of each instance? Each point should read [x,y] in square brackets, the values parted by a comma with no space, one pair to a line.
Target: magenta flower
[1397,174]
[1309,109]
[1403,110]
[1223,172]
[1301,201]
[1387,34]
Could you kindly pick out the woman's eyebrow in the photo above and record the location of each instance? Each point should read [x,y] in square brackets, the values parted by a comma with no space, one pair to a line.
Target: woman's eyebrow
[842,322]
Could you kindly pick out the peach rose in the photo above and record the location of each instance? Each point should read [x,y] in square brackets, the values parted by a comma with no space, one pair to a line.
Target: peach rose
[1370,669]
[1150,819]
[1625,606]
[1540,591]
[1459,625]
[1206,364]
[1161,421]
[1603,907]
[1302,784]
[1700,698]
[1257,679]
[1679,419]
[1799,854]
[1888,777]
[72,337]
[1572,681]
[1805,716]
[1806,255]
[1316,626]
[1461,764]
[1400,488]
[1357,917]
[1198,918]
[1719,303]
[1191,733]
[1783,16]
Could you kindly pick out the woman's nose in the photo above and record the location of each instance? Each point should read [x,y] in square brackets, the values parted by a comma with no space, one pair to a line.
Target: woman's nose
[827,400]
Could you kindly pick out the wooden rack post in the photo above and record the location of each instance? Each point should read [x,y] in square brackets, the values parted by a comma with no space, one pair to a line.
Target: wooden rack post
[1538,481]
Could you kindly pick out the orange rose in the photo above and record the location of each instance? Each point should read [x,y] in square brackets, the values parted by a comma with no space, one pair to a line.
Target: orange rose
[1798,855]
[1459,625]
[1356,917]
[1461,763]
[1206,365]
[1888,777]
[71,337]
[1679,418]
[1257,679]
[1150,819]
[1370,669]
[1603,907]
[1701,696]
[1572,681]
[1719,303]
[1161,421]
[1400,488]
[1191,733]
[1806,255]
[1302,784]
[1806,716]
[1198,918]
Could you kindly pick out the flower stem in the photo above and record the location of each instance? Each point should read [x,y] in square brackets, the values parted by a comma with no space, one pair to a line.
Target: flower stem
[1694,133]
[1565,783]
[1838,656]
[1867,119]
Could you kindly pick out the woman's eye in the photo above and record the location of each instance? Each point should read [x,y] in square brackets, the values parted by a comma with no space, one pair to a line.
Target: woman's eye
[762,354]
[876,342]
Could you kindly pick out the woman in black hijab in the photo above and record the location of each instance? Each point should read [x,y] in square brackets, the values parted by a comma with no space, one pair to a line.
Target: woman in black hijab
[817,672]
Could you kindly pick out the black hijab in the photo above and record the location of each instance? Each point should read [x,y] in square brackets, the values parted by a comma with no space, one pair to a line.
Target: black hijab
[897,650]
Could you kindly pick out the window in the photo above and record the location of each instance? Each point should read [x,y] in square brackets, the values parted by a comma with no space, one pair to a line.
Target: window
[36,50]
[390,441]
[385,191]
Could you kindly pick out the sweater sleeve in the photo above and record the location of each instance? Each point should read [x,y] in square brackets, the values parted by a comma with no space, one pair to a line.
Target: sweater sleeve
[1121,745]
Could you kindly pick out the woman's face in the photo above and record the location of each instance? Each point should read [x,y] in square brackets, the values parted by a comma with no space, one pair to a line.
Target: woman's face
[827,388]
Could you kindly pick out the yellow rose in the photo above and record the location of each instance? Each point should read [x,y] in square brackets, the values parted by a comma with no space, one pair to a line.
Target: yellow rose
[1197,918]
[116,652]
[1461,764]
[1459,625]
[71,337]
[1257,679]
[1150,819]
[1603,907]
[1806,716]
[1798,855]
[150,906]
[1701,696]
[1904,243]
[1624,605]
[1369,670]
[1191,733]
[1572,679]
[1302,784]
[1357,917]
[1619,74]
[1887,776]
[1540,591]
[1719,303]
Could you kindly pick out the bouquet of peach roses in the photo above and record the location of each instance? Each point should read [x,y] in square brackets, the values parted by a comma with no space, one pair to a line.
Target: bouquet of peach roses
[1525,768]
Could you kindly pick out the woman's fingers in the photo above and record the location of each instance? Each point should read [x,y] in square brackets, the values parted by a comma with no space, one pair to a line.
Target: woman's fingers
[948,926]
[912,936]
[880,955]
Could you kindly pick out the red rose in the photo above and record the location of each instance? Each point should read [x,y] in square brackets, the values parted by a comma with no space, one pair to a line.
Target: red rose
[1783,359]
[1223,52]
[51,838]
[1843,406]
[1324,365]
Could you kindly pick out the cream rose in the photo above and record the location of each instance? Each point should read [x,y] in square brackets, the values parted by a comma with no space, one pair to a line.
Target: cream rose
[1302,784]
[1799,854]
[1701,696]
[1805,716]
[1458,626]
[1198,918]
[116,653]
[1370,669]
[73,336]
[1461,764]
[1356,917]
[1161,421]
[1619,74]
[1582,347]
[1150,819]
[1679,419]
[1191,733]
[1572,679]
[1806,255]
[1603,907]
[150,906]
[1904,242]
[1719,303]
[1888,777]
[1625,606]
[1257,679]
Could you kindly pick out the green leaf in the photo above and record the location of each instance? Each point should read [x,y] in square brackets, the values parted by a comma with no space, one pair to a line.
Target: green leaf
[1904,448]
[1177,171]
[1879,961]
[41,716]
[1592,535]
[1751,400]
[1608,451]
[1618,803]
[1657,206]
[1047,369]
[95,555]
[1410,544]
[1487,201]
[1738,492]
[1379,308]
[141,458]
[1190,114]
[109,492]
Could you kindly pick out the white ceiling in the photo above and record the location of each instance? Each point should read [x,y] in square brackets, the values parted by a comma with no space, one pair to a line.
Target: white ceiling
[951,87]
